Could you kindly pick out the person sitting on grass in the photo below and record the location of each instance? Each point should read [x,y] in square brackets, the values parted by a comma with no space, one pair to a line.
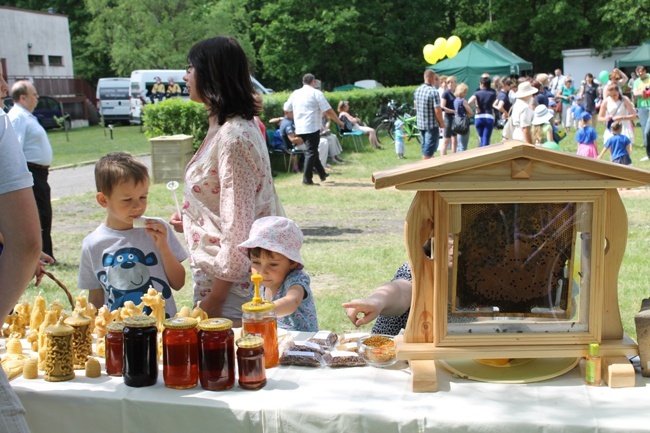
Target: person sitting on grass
[120,263]
[357,124]
[274,250]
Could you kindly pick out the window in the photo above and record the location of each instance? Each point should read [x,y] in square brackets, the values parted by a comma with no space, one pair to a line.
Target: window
[35,60]
[55,60]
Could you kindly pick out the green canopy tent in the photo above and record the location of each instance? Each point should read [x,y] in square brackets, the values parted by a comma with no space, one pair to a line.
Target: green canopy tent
[520,64]
[345,88]
[638,56]
[470,63]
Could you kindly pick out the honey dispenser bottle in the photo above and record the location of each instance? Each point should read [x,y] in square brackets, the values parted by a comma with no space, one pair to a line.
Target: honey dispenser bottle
[593,366]
[259,319]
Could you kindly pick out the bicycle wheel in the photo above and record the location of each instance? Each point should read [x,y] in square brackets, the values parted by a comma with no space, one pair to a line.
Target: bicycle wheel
[377,121]
[385,133]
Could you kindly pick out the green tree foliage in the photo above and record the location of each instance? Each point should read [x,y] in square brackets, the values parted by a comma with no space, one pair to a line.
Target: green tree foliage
[340,41]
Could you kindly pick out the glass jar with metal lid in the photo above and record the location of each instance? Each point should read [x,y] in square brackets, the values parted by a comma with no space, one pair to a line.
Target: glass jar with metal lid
[113,344]
[140,353]
[180,353]
[216,354]
[250,362]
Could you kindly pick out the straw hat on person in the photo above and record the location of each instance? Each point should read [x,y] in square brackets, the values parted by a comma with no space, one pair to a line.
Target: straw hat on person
[525,89]
[542,78]
[542,115]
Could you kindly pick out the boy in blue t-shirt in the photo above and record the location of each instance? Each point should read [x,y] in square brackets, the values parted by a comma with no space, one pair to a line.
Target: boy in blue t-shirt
[120,262]
[619,145]
[576,111]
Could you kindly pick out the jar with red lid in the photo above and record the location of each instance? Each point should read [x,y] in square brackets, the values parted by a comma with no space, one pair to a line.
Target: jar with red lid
[216,354]
[113,342]
[180,353]
[140,354]
[250,362]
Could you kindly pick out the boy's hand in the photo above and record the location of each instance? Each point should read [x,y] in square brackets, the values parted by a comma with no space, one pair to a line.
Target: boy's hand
[176,221]
[157,231]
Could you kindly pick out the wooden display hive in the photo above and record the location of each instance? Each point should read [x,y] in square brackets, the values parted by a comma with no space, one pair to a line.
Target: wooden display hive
[526,247]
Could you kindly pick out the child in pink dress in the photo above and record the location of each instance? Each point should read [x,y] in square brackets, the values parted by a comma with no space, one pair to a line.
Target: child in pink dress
[586,137]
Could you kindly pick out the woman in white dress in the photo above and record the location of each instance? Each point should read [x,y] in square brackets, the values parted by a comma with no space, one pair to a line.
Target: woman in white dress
[617,107]
[522,113]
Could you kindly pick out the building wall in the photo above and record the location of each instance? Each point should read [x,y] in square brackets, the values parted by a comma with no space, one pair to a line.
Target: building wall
[34,33]
[578,62]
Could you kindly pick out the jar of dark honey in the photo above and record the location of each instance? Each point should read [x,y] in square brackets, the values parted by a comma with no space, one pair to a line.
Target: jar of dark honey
[250,362]
[180,353]
[140,354]
[113,344]
[216,354]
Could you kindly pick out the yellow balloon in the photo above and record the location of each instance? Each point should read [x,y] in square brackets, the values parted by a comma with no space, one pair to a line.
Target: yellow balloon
[427,50]
[439,51]
[452,46]
[440,41]
[431,58]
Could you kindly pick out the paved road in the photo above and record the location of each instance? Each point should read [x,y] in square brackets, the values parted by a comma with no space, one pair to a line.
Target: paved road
[77,180]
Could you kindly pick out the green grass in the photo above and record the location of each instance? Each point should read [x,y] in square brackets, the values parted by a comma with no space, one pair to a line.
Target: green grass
[87,144]
[353,233]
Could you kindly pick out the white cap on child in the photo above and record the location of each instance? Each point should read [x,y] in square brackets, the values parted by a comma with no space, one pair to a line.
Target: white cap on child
[278,234]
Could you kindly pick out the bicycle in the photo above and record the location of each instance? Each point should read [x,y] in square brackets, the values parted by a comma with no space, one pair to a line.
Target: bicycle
[386,129]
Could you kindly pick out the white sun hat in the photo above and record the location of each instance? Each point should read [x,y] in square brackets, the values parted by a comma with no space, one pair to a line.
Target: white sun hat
[277,234]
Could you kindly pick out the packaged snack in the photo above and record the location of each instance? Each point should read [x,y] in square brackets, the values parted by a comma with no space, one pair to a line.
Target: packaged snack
[305,359]
[350,346]
[339,358]
[325,339]
[352,337]
[306,346]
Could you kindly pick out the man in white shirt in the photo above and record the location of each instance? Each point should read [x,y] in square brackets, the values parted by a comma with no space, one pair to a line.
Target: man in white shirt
[37,150]
[557,82]
[308,106]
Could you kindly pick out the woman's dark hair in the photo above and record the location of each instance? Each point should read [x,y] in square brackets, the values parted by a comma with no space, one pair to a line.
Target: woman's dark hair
[486,82]
[222,78]
[506,82]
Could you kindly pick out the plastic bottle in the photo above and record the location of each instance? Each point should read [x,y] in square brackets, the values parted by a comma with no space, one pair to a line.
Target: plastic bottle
[593,366]
[258,318]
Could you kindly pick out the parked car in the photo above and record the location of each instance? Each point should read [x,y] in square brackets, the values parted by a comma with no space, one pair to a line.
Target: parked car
[46,110]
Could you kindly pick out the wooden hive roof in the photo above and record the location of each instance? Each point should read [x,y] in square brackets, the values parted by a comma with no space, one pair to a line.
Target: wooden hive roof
[511,165]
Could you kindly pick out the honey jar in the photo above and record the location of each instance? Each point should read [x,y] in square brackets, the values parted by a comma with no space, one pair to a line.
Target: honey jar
[216,354]
[180,353]
[113,343]
[258,318]
[140,354]
[250,362]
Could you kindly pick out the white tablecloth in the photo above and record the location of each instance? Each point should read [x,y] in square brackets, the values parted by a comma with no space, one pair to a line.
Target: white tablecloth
[362,399]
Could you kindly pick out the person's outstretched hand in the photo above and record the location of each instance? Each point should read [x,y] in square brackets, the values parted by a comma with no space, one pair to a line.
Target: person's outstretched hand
[362,311]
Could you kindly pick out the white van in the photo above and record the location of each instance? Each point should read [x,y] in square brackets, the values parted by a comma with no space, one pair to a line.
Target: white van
[142,82]
[113,99]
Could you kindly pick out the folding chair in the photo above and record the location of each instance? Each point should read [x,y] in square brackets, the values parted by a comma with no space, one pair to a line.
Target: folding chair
[295,153]
[357,139]
[274,150]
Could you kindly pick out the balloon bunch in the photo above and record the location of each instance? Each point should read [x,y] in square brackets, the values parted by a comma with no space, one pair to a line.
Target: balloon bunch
[441,47]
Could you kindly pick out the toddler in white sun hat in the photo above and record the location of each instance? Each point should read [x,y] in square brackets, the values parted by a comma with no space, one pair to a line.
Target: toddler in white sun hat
[274,250]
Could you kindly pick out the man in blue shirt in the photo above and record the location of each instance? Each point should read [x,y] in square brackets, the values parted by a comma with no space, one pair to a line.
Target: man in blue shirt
[38,152]
[429,113]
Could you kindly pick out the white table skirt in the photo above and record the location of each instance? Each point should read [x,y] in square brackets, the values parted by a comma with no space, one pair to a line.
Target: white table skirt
[361,399]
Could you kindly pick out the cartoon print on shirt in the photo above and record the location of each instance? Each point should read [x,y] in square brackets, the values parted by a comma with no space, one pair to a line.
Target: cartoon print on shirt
[128,277]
